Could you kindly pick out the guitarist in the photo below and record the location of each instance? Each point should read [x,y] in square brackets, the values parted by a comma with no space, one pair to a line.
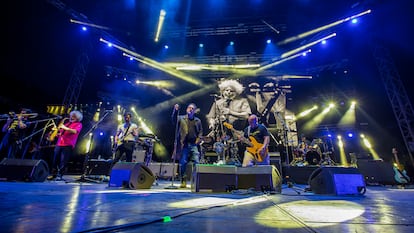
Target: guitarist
[260,134]
[125,139]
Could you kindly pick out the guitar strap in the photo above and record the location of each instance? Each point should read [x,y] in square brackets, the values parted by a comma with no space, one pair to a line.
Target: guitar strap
[126,132]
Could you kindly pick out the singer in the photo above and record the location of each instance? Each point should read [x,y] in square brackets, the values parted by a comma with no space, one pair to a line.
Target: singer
[188,137]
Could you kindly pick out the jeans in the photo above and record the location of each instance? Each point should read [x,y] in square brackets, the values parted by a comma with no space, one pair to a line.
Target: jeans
[189,153]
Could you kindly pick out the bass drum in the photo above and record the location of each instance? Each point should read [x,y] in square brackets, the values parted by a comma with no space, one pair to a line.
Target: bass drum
[313,157]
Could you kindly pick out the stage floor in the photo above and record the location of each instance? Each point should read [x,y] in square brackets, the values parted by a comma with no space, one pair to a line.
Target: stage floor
[73,206]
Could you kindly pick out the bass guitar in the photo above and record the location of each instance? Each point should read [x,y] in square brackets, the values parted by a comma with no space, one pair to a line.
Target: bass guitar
[400,174]
[253,145]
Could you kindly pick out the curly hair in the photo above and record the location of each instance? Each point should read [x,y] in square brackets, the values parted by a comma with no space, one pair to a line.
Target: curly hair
[235,85]
[77,114]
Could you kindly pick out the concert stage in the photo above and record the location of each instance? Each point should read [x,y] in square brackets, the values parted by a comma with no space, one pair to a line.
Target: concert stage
[87,205]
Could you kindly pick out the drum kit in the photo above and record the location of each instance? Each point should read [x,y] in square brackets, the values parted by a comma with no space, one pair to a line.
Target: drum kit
[314,154]
[225,150]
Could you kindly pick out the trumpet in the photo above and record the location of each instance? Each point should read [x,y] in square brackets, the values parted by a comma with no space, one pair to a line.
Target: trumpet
[28,115]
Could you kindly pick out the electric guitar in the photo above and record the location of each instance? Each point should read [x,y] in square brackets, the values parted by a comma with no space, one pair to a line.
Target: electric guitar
[253,145]
[400,174]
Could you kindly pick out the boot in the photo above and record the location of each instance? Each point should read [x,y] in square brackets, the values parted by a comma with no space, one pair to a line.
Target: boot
[183,183]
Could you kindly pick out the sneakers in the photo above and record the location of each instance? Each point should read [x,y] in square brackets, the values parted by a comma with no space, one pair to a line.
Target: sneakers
[183,184]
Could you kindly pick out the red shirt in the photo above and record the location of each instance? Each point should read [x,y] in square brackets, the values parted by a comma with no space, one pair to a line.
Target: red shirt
[68,138]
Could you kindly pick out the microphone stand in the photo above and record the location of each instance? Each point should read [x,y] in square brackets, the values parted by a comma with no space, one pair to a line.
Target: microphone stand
[83,177]
[177,111]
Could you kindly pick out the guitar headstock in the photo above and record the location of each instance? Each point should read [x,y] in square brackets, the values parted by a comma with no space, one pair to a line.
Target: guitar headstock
[228,125]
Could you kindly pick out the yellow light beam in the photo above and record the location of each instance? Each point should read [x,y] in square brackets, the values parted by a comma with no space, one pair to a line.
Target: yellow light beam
[155,64]
[160,23]
[89,24]
[166,69]
[279,62]
[307,45]
[305,34]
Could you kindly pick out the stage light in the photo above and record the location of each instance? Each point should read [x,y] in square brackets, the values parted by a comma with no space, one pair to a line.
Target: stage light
[160,23]
[156,64]
[231,43]
[368,145]
[308,111]
[166,47]
[308,33]
[201,45]
[269,41]
[289,53]
[349,117]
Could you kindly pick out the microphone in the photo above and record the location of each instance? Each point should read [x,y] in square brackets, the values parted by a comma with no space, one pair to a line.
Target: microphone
[175,109]
[215,95]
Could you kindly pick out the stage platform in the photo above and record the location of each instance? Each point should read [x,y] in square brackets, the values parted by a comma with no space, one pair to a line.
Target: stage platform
[91,205]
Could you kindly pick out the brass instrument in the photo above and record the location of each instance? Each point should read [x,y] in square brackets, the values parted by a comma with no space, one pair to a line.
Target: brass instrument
[56,130]
[28,115]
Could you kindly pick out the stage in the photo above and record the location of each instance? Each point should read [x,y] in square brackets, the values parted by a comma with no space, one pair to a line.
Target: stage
[92,205]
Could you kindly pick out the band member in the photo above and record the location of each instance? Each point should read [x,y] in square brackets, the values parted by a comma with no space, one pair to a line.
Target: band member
[14,129]
[68,133]
[125,139]
[303,146]
[188,136]
[257,152]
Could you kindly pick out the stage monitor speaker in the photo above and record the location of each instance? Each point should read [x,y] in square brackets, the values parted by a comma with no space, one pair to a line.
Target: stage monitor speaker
[131,175]
[276,161]
[213,178]
[377,172]
[28,170]
[337,181]
[265,178]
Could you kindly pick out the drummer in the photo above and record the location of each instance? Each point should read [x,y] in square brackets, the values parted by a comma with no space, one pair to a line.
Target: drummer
[303,145]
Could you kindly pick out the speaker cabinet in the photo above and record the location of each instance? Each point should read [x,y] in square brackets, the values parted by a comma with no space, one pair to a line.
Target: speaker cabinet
[131,175]
[276,161]
[337,181]
[213,178]
[164,170]
[377,172]
[23,170]
[265,178]
[225,178]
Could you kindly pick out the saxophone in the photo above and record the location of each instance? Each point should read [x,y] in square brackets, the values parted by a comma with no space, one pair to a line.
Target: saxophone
[56,130]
